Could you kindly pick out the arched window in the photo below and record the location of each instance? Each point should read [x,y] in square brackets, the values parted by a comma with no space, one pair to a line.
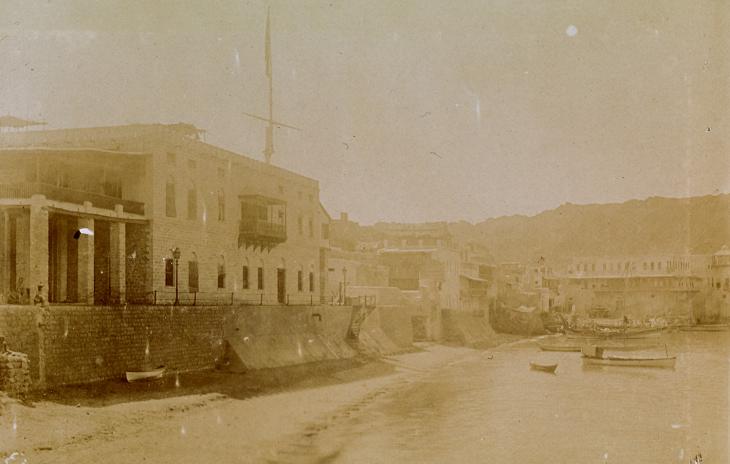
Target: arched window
[221,205]
[192,201]
[170,209]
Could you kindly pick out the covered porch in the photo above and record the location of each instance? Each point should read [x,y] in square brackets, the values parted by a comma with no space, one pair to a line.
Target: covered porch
[77,253]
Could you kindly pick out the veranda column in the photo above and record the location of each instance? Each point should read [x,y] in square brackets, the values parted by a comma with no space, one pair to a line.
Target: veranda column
[117,260]
[86,260]
[38,249]
[4,255]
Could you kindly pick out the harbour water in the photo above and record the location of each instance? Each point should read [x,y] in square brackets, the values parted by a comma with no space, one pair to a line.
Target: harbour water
[490,407]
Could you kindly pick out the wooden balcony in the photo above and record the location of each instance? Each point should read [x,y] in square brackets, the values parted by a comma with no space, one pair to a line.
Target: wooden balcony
[78,197]
[263,222]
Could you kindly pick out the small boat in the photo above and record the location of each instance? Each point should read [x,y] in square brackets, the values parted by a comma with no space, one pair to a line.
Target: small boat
[705,328]
[595,357]
[146,375]
[565,347]
[543,367]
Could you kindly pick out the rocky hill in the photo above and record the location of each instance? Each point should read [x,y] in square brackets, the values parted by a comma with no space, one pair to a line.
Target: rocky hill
[698,225]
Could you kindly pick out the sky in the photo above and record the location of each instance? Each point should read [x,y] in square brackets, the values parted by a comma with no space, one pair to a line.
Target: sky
[409,111]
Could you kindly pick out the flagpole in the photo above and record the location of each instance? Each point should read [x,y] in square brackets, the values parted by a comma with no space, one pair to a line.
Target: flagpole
[269,148]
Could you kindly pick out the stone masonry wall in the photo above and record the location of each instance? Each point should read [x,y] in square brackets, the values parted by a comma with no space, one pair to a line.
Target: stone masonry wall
[80,344]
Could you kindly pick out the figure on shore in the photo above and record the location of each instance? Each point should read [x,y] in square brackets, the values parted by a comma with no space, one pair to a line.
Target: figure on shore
[40,299]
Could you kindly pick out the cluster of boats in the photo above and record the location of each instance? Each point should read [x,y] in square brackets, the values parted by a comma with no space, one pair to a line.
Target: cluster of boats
[603,346]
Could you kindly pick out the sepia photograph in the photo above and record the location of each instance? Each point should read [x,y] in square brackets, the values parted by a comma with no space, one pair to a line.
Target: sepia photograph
[348,231]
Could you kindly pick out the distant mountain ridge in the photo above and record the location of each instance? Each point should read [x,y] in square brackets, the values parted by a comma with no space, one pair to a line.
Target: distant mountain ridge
[657,225]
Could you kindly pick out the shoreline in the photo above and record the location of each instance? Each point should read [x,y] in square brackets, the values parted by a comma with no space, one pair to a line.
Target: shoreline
[75,421]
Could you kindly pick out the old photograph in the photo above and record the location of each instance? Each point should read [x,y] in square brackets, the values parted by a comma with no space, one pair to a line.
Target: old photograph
[348,231]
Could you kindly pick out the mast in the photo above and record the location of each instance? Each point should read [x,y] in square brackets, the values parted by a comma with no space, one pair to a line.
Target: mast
[269,143]
[269,147]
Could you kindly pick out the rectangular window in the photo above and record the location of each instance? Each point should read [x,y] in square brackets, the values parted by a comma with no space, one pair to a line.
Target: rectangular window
[244,283]
[326,231]
[192,203]
[193,276]
[221,205]
[191,165]
[170,210]
[221,276]
[300,284]
[311,282]
[311,227]
[169,273]
[260,278]
[171,159]
[300,225]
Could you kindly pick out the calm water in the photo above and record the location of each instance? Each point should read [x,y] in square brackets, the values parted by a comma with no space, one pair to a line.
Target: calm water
[498,410]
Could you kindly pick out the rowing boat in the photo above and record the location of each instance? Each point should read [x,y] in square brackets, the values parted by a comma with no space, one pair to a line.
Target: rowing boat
[543,367]
[594,356]
[146,375]
[630,362]
[568,347]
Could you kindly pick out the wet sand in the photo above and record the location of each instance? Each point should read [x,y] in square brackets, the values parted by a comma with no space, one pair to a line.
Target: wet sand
[270,416]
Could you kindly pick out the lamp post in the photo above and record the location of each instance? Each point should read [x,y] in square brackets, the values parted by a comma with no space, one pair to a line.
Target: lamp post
[176,257]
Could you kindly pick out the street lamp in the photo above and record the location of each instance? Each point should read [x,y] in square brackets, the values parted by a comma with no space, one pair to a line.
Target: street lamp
[176,257]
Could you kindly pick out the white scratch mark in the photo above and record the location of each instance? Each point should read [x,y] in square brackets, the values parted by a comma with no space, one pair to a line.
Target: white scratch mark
[571,31]
[237,58]
[183,432]
[478,111]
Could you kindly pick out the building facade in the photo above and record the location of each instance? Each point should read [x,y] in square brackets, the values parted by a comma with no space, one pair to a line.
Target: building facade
[633,286]
[151,213]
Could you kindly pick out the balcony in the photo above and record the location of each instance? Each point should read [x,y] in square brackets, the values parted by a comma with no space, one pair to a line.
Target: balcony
[78,197]
[263,222]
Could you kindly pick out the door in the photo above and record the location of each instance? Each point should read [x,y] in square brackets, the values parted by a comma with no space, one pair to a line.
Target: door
[281,285]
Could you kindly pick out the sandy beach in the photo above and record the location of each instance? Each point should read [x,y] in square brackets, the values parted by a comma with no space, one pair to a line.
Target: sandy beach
[246,420]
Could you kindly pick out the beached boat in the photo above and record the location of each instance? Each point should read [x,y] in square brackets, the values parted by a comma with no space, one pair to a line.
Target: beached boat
[157,373]
[705,328]
[595,356]
[543,367]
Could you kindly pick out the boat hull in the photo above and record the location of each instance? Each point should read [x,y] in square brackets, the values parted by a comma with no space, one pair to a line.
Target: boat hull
[706,328]
[630,362]
[145,375]
[562,348]
[543,367]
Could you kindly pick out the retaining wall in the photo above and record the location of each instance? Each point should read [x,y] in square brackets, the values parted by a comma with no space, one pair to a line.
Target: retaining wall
[466,328]
[387,330]
[79,344]
[269,337]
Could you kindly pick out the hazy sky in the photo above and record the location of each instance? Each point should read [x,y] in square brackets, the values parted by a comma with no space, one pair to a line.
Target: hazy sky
[410,110]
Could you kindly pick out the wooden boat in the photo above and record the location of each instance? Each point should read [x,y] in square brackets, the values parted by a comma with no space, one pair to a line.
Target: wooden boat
[543,367]
[564,347]
[627,346]
[157,373]
[705,328]
[615,334]
[596,357]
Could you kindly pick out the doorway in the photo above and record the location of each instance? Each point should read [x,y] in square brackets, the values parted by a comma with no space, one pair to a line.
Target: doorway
[281,285]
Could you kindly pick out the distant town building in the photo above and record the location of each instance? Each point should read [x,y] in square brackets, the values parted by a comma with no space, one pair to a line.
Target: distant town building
[718,301]
[635,286]
[134,213]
